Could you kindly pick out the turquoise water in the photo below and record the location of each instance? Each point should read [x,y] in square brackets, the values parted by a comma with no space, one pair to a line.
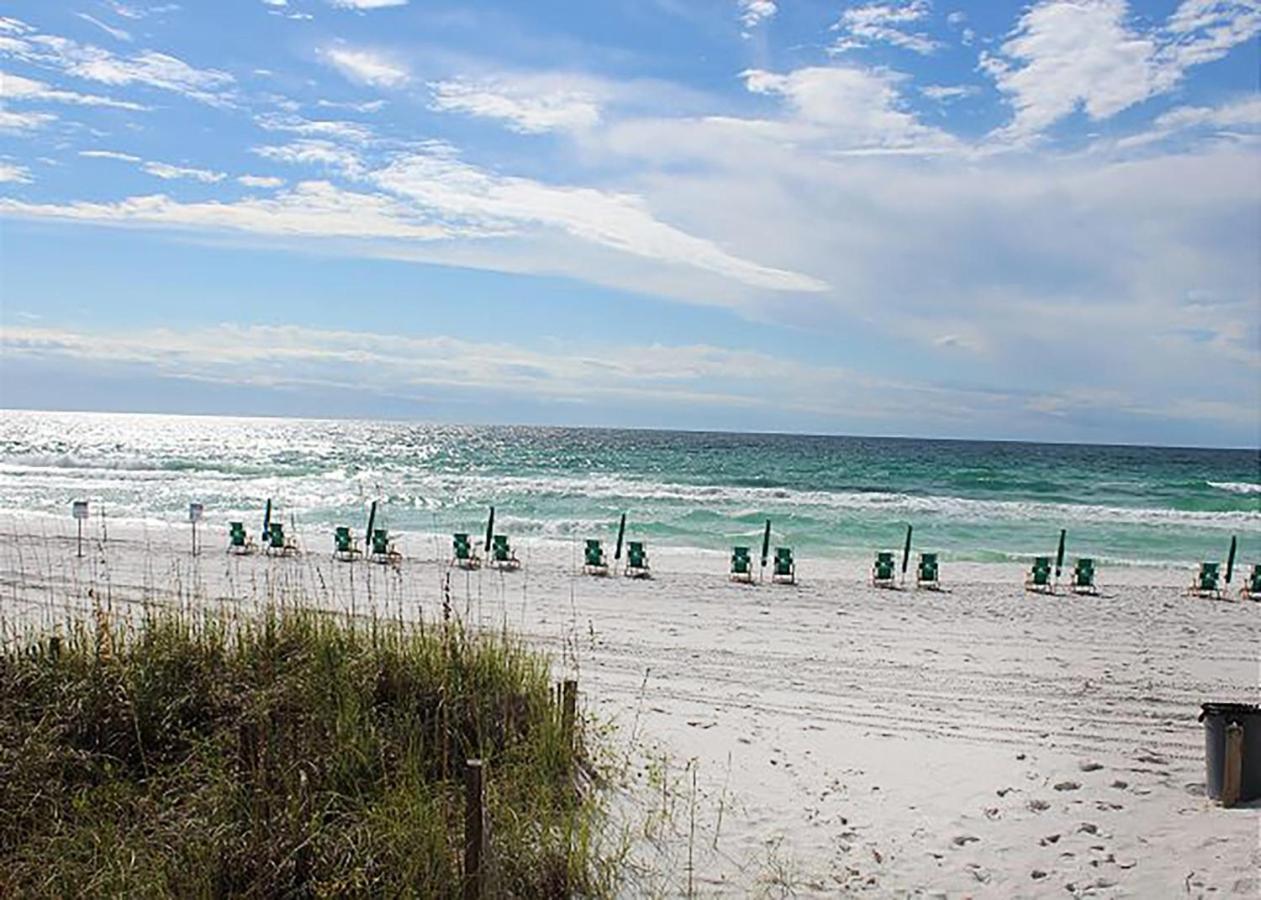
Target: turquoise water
[826,495]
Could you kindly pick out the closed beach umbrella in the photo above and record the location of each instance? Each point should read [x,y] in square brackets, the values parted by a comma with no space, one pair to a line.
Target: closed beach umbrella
[1230,558]
[267,518]
[1059,554]
[766,543]
[906,550]
[372,520]
[621,532]
[490,528]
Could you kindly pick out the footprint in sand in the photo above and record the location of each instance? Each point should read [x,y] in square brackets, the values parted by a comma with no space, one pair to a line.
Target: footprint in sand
[1089,766]
[1048,840]
[1039,805]
[964,839]
[1067,786]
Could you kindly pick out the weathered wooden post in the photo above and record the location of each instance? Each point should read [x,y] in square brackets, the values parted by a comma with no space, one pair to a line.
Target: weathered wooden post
[80,510]
[474,830]
[1232,775]
[569,710]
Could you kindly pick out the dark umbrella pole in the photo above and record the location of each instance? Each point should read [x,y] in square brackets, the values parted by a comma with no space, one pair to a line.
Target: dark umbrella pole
[490,528]
[267,519]
[1230,557]
[621,533]
[906,553]
[1059,554]
[766,547]
[372,520]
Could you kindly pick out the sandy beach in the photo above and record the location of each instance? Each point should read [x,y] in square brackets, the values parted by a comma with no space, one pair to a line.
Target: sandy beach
[812,739]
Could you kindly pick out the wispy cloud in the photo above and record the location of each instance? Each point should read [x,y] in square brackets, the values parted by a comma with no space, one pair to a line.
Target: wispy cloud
[110,154]
[168,172]
[529,105]
[260,181]
[756,12]
[368,67]
[14,174]
[885,23]
[118,34]
[366,4]
[15,87]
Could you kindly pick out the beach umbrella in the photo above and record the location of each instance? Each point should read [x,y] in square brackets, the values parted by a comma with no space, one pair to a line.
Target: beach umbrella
[1230,558]
[1059,554]
[490,528]
[906,550]
[766,543]
[267,518]
[621,532]
[372,519]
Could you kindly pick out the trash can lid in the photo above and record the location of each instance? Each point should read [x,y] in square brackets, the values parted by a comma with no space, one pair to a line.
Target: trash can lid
[1229,709]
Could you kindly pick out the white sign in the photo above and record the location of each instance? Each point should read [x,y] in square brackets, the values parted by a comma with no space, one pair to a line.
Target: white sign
[194,512]
[80,509]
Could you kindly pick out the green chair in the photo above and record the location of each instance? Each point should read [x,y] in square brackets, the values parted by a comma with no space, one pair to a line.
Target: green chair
[1251,589]
[741,565]
[501,555]
[882,570]
[784,570]
[593,562]
[345,546]
[277,544]
[1207,581]
[464,555]
[636,560]
[383,548]
[239,540]
[928,573]
[1083,581]
[1039,579]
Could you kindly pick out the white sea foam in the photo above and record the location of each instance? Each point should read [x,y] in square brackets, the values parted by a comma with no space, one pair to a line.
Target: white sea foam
[1236,487]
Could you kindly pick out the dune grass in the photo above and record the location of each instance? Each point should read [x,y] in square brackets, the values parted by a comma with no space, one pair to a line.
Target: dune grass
[286,753]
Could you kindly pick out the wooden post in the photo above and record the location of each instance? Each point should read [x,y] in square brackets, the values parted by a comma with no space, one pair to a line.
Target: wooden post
[474,831]
[1232,773]
[569,710]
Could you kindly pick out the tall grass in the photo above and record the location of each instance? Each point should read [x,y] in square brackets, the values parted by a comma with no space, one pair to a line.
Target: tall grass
[285,753]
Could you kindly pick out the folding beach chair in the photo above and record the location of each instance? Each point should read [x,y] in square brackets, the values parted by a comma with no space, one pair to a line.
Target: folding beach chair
[463,554]
[636,560]
[1207,581]
[1039,579]
[345,545]
[1251,589]
[784,570]
[239,541]
[741,565]
[383,550]
[927,574]
[882,570]
[593,562]
[1083,581]
[501,555]
[277,544]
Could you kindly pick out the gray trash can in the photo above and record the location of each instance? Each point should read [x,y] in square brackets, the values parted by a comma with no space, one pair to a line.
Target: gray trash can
[1216,716]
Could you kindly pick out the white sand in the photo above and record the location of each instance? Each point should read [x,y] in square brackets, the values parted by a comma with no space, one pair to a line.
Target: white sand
[979,742]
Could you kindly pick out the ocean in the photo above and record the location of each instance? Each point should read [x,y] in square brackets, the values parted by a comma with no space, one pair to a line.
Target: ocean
[826,495]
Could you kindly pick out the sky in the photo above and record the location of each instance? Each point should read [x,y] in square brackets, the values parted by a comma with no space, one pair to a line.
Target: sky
[944,219]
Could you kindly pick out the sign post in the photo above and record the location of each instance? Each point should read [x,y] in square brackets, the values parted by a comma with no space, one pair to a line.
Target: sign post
[194,516]
[80,508]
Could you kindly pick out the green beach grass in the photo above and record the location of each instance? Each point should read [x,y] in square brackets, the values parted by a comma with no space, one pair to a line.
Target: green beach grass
[287,753]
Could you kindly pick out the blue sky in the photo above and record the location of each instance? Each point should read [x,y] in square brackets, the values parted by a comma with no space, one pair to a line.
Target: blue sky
[1000,220]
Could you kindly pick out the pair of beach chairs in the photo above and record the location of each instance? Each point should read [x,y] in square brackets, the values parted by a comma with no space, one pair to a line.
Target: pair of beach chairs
[1081,579]
[464,554]
[594,561]
[783,566]
[382,548]
[275,542]
[927,572]
[1208,582]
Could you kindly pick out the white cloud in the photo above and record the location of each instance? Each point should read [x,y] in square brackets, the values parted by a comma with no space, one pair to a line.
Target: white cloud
[528,104]
[260,181]
[755,12]
[1067,55]
[367,67]
[946,92]
[168,172]
[19,122]
[117,34]
[1243,115]
[157,70]
[885,23]
[354,132]
[13,173]
[310,209]
[15,87]
[109,154]
[314,152]
[366,4]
